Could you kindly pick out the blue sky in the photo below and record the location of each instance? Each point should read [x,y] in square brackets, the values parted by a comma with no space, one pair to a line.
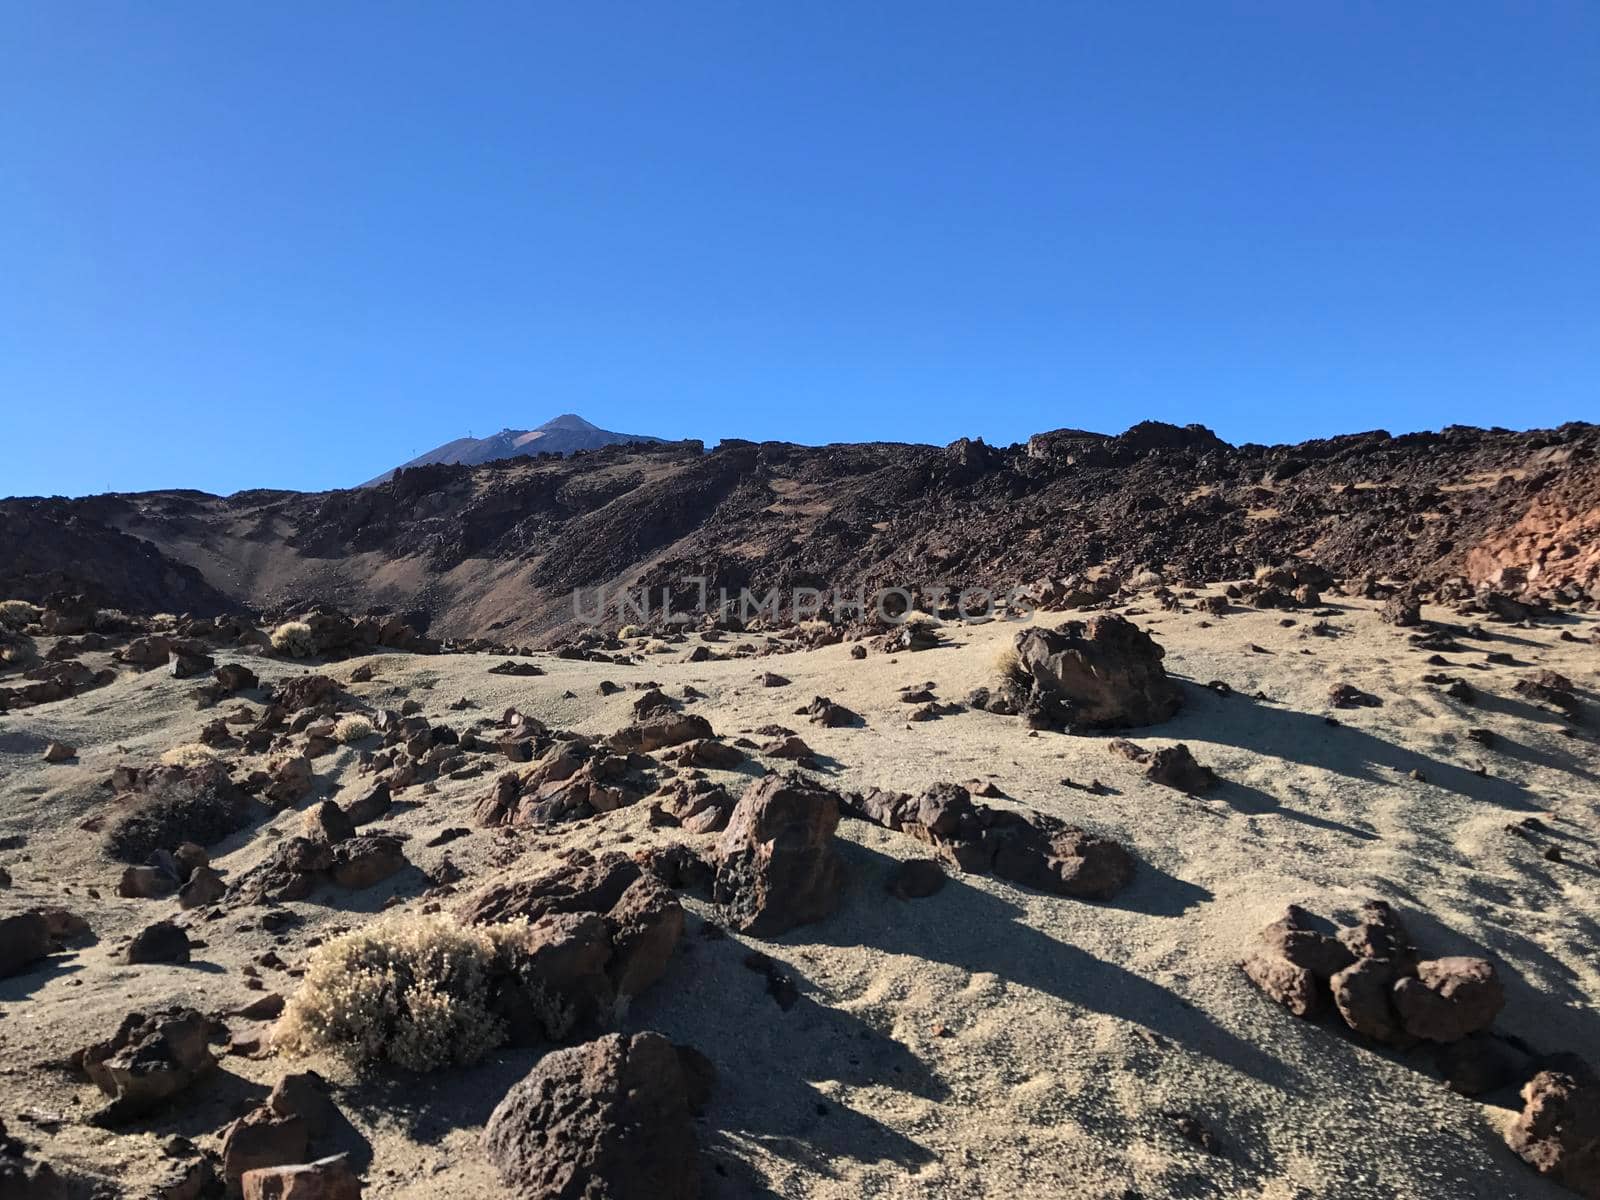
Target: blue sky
[292,244]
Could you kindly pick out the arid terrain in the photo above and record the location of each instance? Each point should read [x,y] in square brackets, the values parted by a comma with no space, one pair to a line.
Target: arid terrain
[1254,851]
[990,1038]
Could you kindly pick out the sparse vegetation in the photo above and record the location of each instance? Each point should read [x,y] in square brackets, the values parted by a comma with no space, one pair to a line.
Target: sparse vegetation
[188,754]
[1008,666]
[294,638]
[202,806]
[631,631]
[352,727]
[18,614]
[415,992]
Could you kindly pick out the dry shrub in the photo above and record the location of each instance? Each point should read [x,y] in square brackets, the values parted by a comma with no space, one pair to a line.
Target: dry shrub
[631,631]
[352,728]
[1008,665]
[295,639]
[413,991]
[201,805]
[188,754]
[18,614]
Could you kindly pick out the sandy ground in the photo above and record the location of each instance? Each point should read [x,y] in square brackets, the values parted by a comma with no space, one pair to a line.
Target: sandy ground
[987,1040]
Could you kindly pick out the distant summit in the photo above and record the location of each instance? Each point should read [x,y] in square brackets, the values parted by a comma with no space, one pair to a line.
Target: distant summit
[560,435]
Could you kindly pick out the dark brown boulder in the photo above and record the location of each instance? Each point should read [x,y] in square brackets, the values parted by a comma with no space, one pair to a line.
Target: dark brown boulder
[327,822]
[582,884]
[24,940]
[645,926]
[607,1120]
[1293,963]
[326,1179]
[659,730]
[1103,674]
[366,859]
[162,942]
[1363,993]
[1402,609]
[1449,998]
[1558,1131]
[777,865]
[262,1138]
[1175,767]
[147,1061]
[185,661]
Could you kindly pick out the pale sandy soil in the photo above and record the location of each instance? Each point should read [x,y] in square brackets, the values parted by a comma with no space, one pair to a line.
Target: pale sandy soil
[1070,1030]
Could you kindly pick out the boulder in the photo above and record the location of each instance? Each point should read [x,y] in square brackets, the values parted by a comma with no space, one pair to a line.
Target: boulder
[147,1061]
[645,926]
[366,860]
[1293,963]
[162,942]
[661,729]
[777,865]
[262,1138]
[327,822]
[1449,998]
[371,806]
[1103,674]
[1558,1131]
[325,1179]
[582,884]
[610,1118]
[24,939]
[186,662]
[235,677]
[1363,993]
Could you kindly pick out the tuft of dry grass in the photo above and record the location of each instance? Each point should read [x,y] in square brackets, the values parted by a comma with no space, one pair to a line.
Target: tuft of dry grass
[631,631]
[294,638]
[352,727]
[188,754]
[1008,665]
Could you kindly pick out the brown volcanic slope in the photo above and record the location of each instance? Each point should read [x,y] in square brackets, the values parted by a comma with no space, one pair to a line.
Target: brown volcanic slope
[498,548]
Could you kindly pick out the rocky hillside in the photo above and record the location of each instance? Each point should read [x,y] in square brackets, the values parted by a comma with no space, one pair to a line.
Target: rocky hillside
[498,549]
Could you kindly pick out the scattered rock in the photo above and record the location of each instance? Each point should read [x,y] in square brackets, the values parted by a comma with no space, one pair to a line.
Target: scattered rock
[162,942]
[147,1061]
[777,865]
[610,1118]
[1102,674]
[1558,1131]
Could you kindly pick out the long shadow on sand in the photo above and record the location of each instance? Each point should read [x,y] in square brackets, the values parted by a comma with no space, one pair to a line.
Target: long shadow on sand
[975,931]
[1343,749]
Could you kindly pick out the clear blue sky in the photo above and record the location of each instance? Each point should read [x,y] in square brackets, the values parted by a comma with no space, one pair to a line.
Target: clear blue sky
[291,244]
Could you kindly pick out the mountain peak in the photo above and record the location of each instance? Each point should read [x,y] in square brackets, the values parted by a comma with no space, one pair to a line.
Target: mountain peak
[568,421]
[563,435]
